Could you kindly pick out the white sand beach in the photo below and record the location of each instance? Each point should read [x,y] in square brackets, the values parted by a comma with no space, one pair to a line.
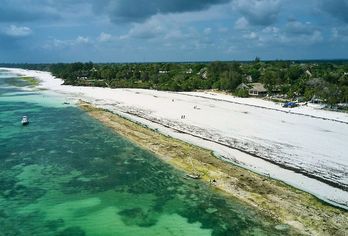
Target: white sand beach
[304,147]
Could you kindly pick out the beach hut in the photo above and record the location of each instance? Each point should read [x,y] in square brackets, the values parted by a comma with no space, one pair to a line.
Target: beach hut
[257,89]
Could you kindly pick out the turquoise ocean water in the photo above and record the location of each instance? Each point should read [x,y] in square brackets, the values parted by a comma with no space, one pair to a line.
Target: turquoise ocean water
[67,174]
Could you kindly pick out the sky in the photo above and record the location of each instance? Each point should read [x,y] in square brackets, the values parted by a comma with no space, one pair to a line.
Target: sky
[49,31]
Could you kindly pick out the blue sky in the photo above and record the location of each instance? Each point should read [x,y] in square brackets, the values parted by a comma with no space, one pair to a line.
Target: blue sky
[171,30]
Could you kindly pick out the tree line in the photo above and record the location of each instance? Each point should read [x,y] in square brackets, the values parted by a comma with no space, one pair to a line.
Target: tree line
[326,80]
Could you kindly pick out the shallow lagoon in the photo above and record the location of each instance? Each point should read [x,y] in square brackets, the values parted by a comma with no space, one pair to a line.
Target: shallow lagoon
[66,174]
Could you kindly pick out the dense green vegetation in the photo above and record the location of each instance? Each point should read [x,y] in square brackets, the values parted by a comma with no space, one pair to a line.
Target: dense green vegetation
[325,80]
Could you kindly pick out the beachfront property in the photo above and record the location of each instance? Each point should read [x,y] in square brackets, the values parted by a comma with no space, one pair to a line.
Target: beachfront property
[163,72]
[203,73]
[257,89]
[189,71]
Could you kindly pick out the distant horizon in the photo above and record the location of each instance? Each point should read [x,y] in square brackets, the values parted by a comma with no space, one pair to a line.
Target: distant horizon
[184,62]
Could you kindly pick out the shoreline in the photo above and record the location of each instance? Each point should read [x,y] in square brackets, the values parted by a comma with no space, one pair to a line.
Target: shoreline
[156,110]
[328,182]
[278,200]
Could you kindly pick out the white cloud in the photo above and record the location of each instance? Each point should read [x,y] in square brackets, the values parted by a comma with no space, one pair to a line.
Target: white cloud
[251,35]
[270,29]
[18,31]
[317,36]
[58,43]
[174,35]
[158,28]
[223,29]
[304,39]
[299,28]
[301,32]
[242,23]
[104,37]
[81,40]
[207,30]
[340,33]
[147,30]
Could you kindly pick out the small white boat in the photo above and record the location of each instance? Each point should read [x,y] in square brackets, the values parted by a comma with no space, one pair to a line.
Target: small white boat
[25,120]
[193,176]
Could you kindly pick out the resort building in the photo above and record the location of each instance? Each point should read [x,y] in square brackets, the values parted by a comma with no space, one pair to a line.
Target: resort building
[257,89]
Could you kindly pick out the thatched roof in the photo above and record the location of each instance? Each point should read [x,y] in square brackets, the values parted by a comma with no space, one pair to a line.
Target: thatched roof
[258,87]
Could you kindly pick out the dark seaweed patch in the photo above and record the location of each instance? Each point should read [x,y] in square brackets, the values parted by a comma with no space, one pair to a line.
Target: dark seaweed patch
[137,216]
[53,225]
[72,231]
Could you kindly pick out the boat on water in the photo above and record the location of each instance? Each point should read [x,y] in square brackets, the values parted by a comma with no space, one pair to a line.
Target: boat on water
[25,120]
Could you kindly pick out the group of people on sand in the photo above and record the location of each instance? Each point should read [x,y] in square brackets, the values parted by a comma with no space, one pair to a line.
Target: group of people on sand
[195,107]
[183,116]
